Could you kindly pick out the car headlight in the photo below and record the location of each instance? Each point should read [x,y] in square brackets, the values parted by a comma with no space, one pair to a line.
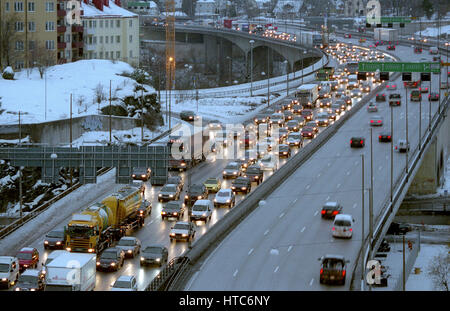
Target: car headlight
[4,279]
[17,289]
[113,264]
[172,234]
[45,242]
[184,235]
[32,290]
[158,259]
[58,243]
[142,258]
[224,172]
[98,263]
[129,251]
[186,197]
[175,214]
[171,196]
[244,188]
[215,200]
[143,176]
[228,201]
[160,195]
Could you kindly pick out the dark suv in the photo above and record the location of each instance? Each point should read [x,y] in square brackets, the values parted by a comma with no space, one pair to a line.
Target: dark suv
[111,259]
[241,184]
[141,173]
[194,193]
[333,269]
[255,173]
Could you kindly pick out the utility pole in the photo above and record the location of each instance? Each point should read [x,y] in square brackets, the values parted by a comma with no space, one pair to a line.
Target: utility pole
[371,189]
[392,151]
[404,267]
[268,77]
[110,115]
[362,211]
[406,118]
[70,164]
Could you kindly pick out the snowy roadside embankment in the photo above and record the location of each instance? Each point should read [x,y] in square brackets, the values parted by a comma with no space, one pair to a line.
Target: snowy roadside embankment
[57,213]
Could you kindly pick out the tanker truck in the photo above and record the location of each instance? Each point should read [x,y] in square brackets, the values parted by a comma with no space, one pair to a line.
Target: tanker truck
[97,226]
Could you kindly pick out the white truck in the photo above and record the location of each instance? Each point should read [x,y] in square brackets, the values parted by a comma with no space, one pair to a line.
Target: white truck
[9,271]
[353,82]
[71,272]
[307,95]
[385,34]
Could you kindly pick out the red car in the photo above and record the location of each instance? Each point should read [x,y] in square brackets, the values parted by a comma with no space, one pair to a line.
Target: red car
[28,258]
[307,114]
[391,47]
[347,35]
[308,132]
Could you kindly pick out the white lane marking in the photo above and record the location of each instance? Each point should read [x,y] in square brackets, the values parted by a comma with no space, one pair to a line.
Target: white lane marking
[151,221]
[289,248]
[387,157]
[348,173]
[380,168]
[355,205]
[295,200]
[329,164]
[267,231]
[276,269]
[317,212]
[250,251]
[311,282]
[319,175]
[356,163]
[308,186]
[328,197]
[281,215]
[303,229]
[235,273]
[338,185]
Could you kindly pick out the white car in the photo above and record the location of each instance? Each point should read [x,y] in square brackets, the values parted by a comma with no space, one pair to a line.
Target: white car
[402,146]
[9,270]
[130,245]
[268,163]
[372,107]
[342,226]
[391,87]
[232,170]
[202,210]
[224,197]
[125,283]
[294,139]
[182,230]
[376,121]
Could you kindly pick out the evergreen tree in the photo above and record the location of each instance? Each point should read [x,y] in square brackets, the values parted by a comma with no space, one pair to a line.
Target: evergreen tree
[427,7]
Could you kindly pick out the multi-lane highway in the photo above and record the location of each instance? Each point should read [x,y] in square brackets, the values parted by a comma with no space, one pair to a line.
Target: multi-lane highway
[277,247]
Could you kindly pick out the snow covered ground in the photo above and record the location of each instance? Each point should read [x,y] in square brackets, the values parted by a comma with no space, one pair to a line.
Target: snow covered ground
[27,93]
[434,31]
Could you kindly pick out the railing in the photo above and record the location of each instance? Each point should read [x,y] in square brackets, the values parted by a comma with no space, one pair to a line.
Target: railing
[168,274]
[412,256]
[21,221]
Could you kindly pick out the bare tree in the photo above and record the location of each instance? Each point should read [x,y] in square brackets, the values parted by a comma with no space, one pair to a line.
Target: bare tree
[7,37]
[439,270]
[41,57]
[99,95]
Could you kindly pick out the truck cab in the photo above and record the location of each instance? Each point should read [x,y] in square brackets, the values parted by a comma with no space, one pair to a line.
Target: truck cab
[9,271]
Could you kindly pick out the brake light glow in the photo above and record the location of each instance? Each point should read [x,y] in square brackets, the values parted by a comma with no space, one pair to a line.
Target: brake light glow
[343,273]
[362,142]
[333,229]
[335,212]
[321,271]
[350,229]
[323,212]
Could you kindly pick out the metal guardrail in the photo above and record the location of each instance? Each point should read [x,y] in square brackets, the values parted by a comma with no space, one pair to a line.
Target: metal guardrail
[38,210]
[412,256]
[168,274]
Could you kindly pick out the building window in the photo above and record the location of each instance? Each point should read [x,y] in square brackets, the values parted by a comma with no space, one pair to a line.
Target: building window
[94,24]
[95,40]
[131,38]
[106,23]
[112,39]
[19,45]
[49,7]
[112,23]
[101,39]
[118,54]
[30,6]
[18,6]
[101,24]
[101,55]
[130,23]
[117,39]
[50,44]
[131,54]
[94,55]
[19,26]
[106,54]
[68,54]
[49,26]
[68,37]
[7,7]
[31,45]
[89,40]
[19,64]
[90,24]
[118,23]
[31,27]
[106,39]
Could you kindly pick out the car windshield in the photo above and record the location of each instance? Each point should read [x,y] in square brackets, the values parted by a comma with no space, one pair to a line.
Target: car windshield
[126,242]
[196,189]
[181,226]
[223,194]
[233,166]
[173,180]
[122,284]
[153,250]
[24,256]
[340,222]
[4,267]
[139,171]
[28,279]
[211,181]
[172,205]
[333,264]
[168,188]
[253,170]
[55,234]
[109,255]
[200,208]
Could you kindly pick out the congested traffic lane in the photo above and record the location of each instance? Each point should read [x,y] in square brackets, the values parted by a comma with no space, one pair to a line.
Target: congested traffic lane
[277,247]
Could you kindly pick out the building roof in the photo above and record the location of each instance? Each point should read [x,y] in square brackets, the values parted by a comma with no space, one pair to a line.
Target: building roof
[112,10]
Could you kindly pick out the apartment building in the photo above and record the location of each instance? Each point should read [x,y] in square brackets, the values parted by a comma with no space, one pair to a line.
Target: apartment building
[31,32]
[69,31]
[354,8]
[110,32]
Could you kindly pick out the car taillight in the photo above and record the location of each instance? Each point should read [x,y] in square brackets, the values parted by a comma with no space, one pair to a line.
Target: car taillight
[362,142]
[351,141]
[333,229]
[389,137]
[350,229]
[335,212]
[379,121]
[323,212]
[379,137]
[321,271]
[343,273]
[371,121]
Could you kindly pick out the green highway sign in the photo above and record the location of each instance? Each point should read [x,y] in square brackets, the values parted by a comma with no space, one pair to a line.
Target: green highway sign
[389,19]
[398,67]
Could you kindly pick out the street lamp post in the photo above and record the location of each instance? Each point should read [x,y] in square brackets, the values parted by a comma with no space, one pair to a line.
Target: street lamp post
[251,67]
[287,77]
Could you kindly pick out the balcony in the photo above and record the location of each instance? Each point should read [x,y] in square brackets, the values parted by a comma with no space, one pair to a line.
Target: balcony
[61,13]
[90,47]
[77,28]
[61,29]
[61,45]
[77,44]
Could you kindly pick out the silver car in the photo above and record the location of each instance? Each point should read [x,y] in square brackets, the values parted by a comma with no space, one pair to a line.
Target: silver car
[372,107]
[130,245]
[232,170]
[169,192]
[154,254]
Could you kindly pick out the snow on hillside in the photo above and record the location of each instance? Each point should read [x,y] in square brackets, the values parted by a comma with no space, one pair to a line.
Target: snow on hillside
[434,31]
[27,92]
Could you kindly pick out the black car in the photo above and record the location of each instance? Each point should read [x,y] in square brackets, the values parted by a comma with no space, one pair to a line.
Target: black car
[284,151]
[145,209]
[188,115]
[154,255]
[141,173]
[297,109]
[395,99]
[241,184]
[380,97]
[176,180]
[194,193]
[391,47]
[261,118]
[398,229]
[55,239]
[255,173]
[333,269]
[347,100]
[244,162]
[111,259]
[385,137]
[433,96]
[173,209]
[31,280]
[325,103]
[357,142]
[330,209]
